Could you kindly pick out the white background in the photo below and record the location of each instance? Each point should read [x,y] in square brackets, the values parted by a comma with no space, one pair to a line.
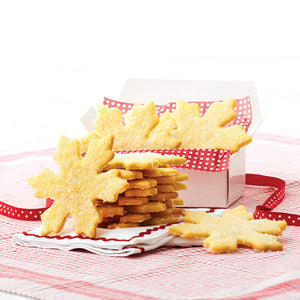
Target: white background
[58,58]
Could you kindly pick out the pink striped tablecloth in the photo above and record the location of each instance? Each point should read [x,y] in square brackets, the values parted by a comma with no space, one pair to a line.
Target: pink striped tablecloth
[165,273]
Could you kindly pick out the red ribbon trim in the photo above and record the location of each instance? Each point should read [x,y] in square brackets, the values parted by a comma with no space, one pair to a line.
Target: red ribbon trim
[103,239]
[25,214]
[261,211]
[264,211]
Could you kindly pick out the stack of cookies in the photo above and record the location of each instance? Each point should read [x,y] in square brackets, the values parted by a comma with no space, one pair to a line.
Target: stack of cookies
[152,193]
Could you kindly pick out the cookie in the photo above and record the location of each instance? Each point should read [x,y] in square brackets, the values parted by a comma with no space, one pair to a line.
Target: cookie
[156,172]
[161,221]
[173,202]
[140,192]
[144,183]
[134,217]
[171,179]
[122,200]
[235,227]
[163,196]
[208,131]
[140,128]
[121,225]
[143,160]
[108,211]
[149,207]
[130,174]
[165,179]
[165,188]
[78,184]
[173,211]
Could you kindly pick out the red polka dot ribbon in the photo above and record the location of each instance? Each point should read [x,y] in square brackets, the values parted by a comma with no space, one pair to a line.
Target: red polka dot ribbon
[25,214]
[264,211]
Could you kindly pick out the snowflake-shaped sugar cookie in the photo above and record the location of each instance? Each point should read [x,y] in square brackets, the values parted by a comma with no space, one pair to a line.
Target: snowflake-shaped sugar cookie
[78,184]
[140,129]
[235,227]
[208,131]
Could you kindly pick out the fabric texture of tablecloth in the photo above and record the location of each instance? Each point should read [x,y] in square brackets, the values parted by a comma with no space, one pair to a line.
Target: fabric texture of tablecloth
[163,273]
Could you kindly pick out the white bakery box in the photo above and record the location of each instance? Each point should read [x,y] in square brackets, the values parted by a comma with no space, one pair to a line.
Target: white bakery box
[204,188]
